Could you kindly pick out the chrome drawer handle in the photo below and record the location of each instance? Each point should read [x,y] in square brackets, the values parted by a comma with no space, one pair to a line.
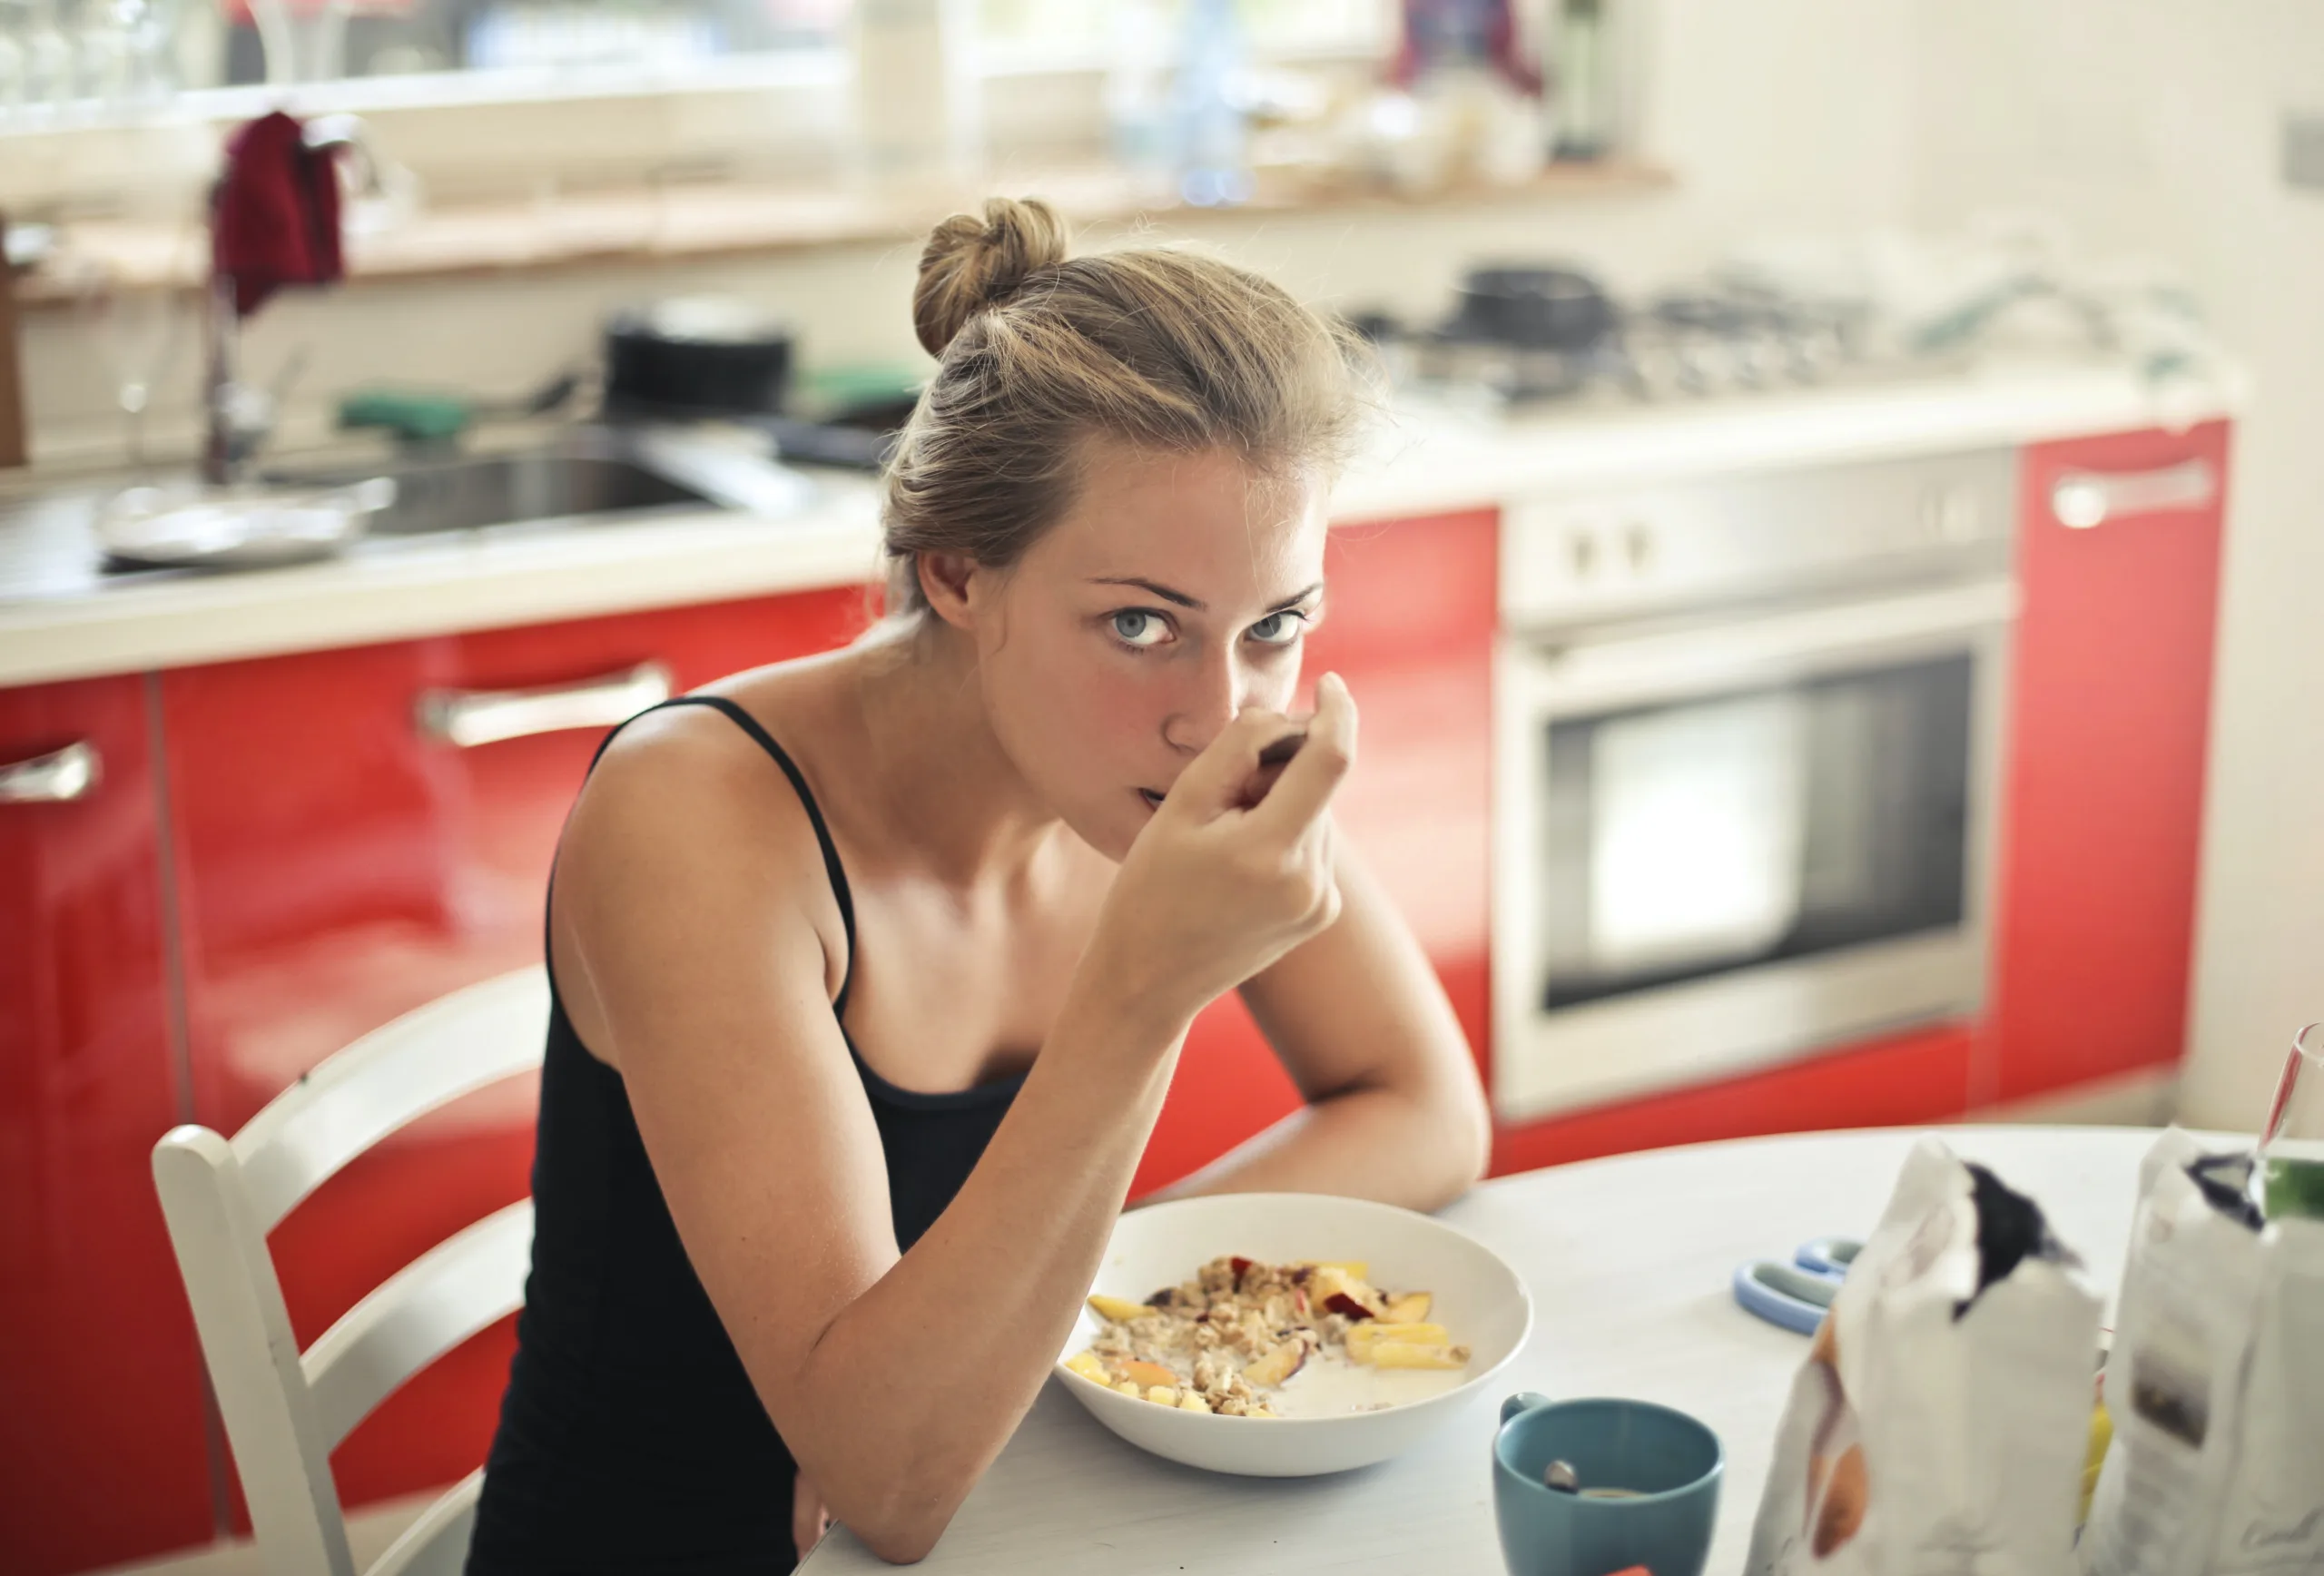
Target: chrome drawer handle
[2083,498]
[72,773]
[471,717]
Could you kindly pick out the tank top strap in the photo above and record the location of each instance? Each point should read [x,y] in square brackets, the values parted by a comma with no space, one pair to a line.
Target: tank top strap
[831,867]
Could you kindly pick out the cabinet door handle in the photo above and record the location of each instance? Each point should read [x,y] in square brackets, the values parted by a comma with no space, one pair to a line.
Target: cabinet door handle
[69,773]
[2083,498]
[468,718]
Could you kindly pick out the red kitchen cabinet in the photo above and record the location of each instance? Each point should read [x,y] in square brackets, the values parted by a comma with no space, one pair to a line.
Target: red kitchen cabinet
[2111,709]
[1409,624]
[1900,1080]
[337,865]
[102,1454]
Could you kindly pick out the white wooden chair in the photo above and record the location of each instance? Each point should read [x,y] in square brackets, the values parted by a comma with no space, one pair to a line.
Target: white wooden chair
[286,1410]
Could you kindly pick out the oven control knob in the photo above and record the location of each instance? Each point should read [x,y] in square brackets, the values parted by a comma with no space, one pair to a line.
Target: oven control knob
[1582,547]
[1951,514]
[1638,546]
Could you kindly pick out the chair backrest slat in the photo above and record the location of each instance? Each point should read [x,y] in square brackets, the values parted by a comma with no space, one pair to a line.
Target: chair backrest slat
[427,1308]
[389,1078]
[279,1451]
[437,1545]
[284,1414]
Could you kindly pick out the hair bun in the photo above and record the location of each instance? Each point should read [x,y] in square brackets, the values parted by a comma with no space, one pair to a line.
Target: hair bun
[972,263]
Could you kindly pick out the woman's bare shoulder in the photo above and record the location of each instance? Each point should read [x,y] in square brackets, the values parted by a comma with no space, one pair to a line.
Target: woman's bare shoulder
[700,760]
[687,831]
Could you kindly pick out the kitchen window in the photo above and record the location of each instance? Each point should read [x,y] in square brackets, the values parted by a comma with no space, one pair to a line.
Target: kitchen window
[1080,34]
[492,100]
[67,63]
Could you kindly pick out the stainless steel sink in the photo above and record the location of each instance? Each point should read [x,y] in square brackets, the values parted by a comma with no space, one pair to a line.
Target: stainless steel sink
[590,473]
[460,495]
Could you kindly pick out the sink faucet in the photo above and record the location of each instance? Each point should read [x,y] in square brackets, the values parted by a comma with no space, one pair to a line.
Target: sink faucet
[239,417]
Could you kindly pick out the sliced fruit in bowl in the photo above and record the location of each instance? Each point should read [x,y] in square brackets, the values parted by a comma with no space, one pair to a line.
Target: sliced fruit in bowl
[1281,1362]
[1299,1326]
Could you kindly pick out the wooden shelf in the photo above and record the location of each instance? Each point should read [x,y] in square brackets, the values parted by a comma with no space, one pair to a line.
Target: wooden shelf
[690,221]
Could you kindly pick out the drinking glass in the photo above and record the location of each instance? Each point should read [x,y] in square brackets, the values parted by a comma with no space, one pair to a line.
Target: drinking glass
[2292,1144]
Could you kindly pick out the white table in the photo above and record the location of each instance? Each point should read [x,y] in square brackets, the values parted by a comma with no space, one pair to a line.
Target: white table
[1629,1260]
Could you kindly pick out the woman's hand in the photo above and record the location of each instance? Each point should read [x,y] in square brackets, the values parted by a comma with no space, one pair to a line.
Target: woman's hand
[810,1519]
[1232,873]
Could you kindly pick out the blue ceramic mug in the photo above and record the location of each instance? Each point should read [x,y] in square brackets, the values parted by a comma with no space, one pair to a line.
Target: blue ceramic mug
[1649,1487]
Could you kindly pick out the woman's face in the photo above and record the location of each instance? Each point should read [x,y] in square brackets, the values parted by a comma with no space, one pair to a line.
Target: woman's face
[1176,590]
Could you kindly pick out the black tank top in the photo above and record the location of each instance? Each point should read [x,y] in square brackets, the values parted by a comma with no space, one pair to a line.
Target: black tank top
[630,1438]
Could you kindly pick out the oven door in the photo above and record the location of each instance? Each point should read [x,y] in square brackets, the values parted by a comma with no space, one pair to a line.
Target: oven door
[1734,844]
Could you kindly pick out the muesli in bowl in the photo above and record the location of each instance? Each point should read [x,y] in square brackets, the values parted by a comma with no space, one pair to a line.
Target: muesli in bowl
[1298,1382]
[1242,1328]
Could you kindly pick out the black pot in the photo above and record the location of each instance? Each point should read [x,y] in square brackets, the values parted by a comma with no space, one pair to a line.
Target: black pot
[696,357]
[1537,307]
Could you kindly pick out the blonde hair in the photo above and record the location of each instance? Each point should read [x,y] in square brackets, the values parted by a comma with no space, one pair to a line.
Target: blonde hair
[1163,350]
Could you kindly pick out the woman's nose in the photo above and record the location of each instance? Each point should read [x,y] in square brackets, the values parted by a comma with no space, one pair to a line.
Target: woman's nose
[1212,697]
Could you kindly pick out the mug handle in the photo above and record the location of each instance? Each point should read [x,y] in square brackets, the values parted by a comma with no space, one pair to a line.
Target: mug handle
[1523,1401]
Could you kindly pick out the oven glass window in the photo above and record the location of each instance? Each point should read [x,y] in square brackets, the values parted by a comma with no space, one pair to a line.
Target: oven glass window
[1690,839]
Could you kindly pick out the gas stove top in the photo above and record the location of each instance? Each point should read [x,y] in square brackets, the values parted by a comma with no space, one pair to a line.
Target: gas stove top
[1675,345]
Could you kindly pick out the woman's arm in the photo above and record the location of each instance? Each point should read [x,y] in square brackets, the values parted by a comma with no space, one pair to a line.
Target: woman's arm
[1394,1111]
[689,900]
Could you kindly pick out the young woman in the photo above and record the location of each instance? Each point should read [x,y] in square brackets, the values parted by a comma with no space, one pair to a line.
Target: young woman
[871,970]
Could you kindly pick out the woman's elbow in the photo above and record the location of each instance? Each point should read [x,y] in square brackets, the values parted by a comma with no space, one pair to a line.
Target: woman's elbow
[1449,1139]
[900,1539]
[901,1527]
[1468,1140]
[898,1547]
[1478,1165]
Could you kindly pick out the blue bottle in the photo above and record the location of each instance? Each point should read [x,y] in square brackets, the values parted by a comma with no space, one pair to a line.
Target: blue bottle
[1213,137]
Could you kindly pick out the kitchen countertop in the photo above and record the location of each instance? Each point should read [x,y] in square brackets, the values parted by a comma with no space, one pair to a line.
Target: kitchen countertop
[61,617]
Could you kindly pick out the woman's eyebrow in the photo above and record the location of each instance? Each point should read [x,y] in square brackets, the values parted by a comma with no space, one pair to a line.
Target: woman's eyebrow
[1197,604]
[1163,592]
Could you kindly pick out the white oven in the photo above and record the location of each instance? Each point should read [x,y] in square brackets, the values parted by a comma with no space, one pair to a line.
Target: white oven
[1747,761]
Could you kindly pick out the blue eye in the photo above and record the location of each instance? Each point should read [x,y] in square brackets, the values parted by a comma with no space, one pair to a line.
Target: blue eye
[1135,626]
[1278,629]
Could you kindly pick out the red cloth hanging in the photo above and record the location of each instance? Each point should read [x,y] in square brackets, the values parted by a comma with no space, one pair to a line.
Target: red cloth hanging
[1484,28]
[274,212]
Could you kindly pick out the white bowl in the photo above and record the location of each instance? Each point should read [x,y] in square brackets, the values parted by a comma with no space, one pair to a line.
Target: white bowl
[1478,1298]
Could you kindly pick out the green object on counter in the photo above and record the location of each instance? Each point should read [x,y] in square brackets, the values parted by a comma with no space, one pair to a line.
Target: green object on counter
[843,387]
[2294,1188]
[412,416]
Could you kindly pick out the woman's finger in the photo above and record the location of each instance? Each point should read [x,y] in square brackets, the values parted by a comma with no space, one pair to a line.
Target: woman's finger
[1307,785]
[1214,780]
